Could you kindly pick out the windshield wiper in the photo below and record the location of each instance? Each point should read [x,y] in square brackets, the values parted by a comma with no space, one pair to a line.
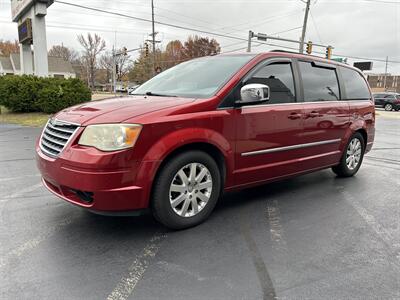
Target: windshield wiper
[159,95]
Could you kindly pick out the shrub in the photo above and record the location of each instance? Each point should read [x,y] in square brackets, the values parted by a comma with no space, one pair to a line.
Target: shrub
[49,95]
[18,93]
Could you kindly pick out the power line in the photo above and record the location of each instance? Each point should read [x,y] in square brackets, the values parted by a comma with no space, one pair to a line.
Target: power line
[385,2]
[315,26]
[202,31]
[164,23]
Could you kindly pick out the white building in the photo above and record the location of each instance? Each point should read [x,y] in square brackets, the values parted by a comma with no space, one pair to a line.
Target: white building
[58,67]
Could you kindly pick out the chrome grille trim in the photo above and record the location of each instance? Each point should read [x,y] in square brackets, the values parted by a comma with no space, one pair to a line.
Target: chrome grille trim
[56,135]
[66,130]
[52,140]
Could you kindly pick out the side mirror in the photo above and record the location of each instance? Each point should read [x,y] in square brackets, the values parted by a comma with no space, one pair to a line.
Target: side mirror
[253,93]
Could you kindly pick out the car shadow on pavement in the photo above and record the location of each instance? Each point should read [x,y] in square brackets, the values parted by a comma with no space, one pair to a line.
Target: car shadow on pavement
[271,190]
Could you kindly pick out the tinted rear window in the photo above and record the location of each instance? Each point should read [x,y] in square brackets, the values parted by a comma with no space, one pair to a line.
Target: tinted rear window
[319,83]
[355,85]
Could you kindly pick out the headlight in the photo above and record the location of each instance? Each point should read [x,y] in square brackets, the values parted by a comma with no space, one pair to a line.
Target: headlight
[110,137]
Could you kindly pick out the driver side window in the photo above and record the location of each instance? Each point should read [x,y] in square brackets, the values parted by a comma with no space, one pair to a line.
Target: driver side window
[279,78]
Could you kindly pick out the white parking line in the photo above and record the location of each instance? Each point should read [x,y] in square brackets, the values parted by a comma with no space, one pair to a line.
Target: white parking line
[389,239]
[32,243]
[276,230]
[127,284]
[18,177]
[21,192]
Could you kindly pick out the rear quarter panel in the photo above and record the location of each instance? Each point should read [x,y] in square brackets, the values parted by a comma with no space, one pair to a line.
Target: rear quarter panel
[362,116]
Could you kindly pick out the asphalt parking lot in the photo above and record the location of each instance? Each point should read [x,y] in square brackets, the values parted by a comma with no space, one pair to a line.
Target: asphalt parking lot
[311,237]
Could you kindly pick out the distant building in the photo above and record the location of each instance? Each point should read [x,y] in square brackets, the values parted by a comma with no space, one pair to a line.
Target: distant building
[58,67]
[6,67]
[377,82]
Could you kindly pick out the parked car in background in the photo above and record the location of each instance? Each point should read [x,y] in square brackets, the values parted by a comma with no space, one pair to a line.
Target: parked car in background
[120,89]
[205,126]
[131,89]
[389,101]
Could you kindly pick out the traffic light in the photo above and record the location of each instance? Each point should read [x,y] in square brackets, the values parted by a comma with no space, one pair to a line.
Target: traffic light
[146,49]
[328,52]
[116,68]
[309,47]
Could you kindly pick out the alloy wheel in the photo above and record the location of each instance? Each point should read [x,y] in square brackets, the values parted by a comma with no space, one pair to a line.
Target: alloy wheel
[190,190]
[353,154]
[388,107]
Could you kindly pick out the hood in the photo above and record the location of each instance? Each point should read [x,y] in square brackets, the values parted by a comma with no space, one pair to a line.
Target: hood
[117,110]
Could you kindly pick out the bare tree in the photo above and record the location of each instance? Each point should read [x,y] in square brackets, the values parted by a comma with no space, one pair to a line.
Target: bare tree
[93,46]
[8,47]
[64,52]
[122,62]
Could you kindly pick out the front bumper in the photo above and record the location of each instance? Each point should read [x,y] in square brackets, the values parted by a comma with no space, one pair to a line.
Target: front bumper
[92,185]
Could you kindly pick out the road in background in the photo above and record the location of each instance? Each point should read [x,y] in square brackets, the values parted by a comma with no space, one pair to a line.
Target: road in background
[313,237]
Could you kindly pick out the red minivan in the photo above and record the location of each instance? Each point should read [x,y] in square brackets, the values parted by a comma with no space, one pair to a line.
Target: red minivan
[206,126]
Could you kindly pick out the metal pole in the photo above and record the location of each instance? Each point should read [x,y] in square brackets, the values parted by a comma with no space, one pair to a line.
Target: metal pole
[249,41]
[114,72]
[386,69]
[303,34]
[154,37]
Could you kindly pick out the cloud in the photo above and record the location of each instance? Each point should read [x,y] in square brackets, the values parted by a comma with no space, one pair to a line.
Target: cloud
[355,28]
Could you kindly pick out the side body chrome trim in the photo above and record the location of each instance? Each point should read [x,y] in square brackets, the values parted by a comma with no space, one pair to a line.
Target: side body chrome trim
[293,147]
[292,103]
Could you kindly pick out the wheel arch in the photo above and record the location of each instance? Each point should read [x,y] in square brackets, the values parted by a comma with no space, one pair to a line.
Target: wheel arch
[208,148]
[179,141]
[364,134]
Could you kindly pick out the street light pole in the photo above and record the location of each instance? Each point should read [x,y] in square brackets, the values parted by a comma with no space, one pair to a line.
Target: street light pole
[303,34]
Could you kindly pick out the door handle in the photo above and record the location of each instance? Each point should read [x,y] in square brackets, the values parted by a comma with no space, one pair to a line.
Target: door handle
[294,116]
[313,114]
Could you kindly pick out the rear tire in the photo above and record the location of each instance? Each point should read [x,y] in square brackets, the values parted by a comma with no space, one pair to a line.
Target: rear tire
[186,190]
[352,157]
[388,107]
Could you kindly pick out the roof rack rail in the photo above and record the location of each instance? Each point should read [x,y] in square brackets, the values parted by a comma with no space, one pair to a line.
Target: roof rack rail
[293,52]
[285,51]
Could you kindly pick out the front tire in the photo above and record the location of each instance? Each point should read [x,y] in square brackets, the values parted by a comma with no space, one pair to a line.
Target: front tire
[352,157]
[186,190]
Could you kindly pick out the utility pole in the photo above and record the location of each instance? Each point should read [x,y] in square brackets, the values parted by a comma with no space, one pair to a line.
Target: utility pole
[386,70]
[153,37]
[303,34]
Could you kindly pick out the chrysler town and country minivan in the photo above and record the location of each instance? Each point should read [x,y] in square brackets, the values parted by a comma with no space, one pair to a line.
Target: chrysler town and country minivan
[206,126]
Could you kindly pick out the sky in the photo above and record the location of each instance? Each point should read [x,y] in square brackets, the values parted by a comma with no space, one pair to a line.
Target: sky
[359,28]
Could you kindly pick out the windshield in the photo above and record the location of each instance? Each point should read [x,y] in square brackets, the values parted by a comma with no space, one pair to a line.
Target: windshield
[198,78]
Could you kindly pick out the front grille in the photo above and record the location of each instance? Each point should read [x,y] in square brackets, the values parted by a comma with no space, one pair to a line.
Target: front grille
[55,136]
